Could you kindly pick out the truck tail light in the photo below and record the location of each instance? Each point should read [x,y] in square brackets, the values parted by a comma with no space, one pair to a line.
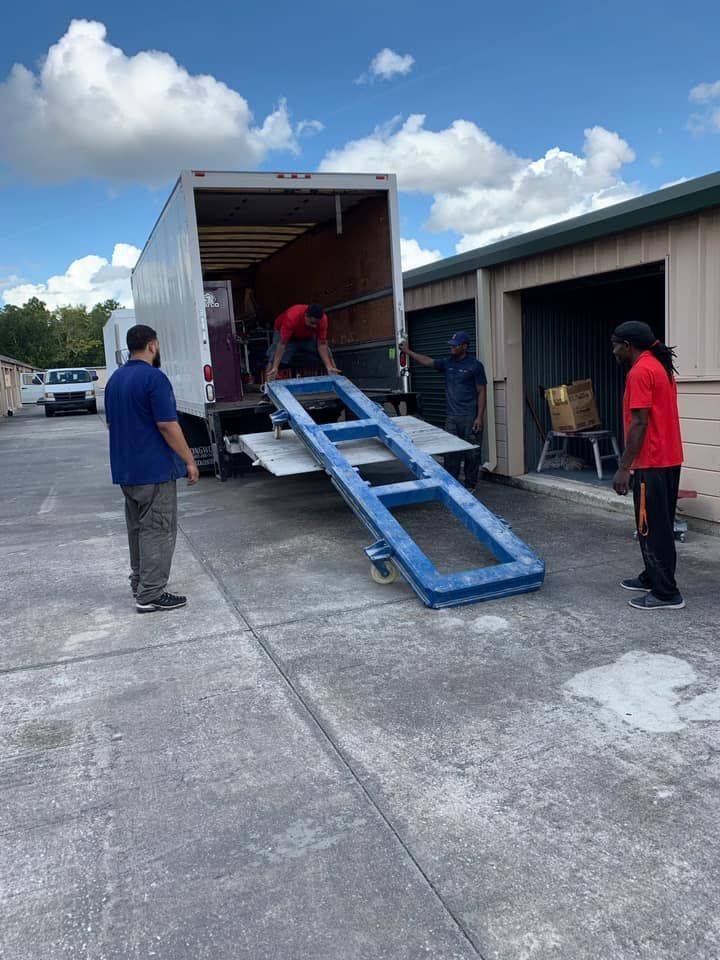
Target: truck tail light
[207,373]
[210,392]
[403,358]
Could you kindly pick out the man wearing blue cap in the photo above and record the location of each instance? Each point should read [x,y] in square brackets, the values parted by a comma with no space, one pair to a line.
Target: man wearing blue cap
[465,390]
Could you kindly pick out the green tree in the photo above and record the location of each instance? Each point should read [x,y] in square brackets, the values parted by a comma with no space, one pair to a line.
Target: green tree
[28,333]
[67,336]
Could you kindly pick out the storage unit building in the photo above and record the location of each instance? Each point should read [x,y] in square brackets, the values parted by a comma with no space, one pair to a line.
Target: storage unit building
[11,372]
[544,304]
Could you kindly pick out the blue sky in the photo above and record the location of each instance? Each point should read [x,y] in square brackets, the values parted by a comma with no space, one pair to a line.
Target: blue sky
[497,118]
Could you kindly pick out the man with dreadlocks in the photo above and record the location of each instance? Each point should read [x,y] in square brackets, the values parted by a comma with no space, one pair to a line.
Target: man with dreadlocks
[651,461]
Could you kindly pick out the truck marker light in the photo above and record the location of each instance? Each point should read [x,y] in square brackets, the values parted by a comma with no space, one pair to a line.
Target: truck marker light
[198,173]
[403,358]
[207,373]
[293,176]
[210,392]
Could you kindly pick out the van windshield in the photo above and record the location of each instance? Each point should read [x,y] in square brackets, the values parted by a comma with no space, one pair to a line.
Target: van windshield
[68,376]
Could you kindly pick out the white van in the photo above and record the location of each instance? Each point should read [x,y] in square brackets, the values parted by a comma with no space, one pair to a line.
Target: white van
[69,388]
[32,387]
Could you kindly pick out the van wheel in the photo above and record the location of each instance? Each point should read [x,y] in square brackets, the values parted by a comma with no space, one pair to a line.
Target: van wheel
[48,412]
[93,408]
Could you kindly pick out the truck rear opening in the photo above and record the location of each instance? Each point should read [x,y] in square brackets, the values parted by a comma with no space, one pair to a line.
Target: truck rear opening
[230,252]
[262,250]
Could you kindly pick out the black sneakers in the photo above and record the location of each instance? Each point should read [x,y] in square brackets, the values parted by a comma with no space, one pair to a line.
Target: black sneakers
[634,583]
[651,602]
[166,601]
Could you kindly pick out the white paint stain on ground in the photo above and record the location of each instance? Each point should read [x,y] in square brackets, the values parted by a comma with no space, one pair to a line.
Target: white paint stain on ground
[101,623]
[489,624]
[641,688]
[704,707]
[48,504]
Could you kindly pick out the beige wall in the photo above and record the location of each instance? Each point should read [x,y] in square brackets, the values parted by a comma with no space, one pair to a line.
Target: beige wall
[10,387]
[690,248]
[699,405]
[463,287]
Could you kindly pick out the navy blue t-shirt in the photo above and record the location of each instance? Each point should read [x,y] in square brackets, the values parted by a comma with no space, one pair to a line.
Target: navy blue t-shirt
[462,379]
[138,397]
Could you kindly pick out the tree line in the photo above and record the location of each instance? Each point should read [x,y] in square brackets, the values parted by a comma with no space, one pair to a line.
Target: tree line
[64,337]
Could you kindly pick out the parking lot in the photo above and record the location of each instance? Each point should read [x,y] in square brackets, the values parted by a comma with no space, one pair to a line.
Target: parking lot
[306,765]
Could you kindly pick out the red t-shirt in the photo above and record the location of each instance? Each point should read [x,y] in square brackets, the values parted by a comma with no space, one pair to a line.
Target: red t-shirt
[291,325]
[648,387]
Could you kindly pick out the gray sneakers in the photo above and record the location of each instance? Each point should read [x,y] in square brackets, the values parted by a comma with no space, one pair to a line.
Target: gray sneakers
[651,602]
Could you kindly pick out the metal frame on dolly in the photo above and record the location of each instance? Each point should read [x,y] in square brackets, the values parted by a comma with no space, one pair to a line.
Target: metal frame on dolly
[518,569]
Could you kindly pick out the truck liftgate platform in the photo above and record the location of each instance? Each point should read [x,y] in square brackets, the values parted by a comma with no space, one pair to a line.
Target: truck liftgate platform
[518,569]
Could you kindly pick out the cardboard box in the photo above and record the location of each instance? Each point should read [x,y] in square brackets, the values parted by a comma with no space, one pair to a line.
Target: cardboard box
[572,407]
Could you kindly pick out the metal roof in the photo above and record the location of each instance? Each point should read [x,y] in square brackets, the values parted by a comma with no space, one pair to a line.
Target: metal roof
[676,201]
[17,363]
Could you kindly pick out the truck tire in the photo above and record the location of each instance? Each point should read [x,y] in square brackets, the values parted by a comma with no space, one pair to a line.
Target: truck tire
[93,407]
[48,412]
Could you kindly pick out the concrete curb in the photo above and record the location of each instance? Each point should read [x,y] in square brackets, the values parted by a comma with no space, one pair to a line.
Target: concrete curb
[572,491]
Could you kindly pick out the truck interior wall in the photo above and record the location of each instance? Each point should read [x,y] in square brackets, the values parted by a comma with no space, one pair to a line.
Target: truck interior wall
[324,267]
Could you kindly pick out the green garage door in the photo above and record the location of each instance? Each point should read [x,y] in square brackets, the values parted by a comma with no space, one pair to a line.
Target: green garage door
[429,332]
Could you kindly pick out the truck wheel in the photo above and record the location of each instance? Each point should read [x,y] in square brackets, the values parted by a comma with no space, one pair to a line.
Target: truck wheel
[93,407]
[48,412]
[391,574]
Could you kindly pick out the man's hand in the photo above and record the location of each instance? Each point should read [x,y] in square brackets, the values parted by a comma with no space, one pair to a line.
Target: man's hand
[332,370]
[478,425]
[621,482]
[193,474]
[404,346]
[272,374]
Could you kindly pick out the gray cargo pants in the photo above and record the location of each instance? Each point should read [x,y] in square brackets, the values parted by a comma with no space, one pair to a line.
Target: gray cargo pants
[151,517]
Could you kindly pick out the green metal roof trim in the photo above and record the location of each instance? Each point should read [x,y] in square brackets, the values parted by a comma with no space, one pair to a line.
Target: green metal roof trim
[677,201]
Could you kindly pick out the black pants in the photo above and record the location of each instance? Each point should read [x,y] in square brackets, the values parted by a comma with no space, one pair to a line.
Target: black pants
[655,494]
[463,427]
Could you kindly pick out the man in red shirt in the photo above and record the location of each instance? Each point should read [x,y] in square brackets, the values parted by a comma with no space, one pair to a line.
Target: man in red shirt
[301,327]
[651,461]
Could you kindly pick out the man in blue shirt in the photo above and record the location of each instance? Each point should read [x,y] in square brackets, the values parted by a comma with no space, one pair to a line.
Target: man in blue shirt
[465,393]
[148,453]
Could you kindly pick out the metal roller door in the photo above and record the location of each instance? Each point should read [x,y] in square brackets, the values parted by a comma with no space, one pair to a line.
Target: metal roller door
[429,332]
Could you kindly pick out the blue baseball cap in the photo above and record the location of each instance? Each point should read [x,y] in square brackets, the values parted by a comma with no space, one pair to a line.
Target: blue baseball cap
[458,339]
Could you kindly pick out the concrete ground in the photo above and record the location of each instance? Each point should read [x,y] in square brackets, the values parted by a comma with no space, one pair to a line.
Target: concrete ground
[304,765]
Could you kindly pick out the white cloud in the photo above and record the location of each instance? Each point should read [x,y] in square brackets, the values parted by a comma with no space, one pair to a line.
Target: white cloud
[480,188]
[426,161]
[387,64]
[707,121]
[307,128]
[674,183]
[87,281]
[413,255]
[705,92]
[93,111]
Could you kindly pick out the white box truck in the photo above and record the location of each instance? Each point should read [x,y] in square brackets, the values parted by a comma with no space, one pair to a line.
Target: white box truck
[230,252]
[114,334]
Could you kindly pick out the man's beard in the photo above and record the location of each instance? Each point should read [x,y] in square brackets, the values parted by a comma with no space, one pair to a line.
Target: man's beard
[156,359]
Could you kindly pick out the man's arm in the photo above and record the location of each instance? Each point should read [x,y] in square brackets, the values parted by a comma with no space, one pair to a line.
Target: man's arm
[277,358]
[325,356]
[417,357]
[481,402]
[633,446]
[175,439]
